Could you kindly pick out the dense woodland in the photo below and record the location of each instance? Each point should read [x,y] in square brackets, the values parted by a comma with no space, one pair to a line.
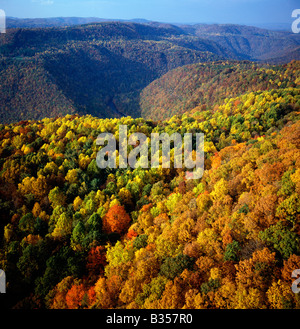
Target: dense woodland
[206,85]
[76,236]
[97,69]
[102,68]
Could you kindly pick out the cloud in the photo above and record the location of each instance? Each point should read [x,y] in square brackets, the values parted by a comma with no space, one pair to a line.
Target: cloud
[44,2]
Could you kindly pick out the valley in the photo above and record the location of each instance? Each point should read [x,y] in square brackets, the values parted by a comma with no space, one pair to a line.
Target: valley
[80,69]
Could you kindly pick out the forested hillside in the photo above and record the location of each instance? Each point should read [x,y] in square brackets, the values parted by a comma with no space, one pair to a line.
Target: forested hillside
[97,69]
[101,68]
[14,22]
[206,85]
[75,236]
[248,42]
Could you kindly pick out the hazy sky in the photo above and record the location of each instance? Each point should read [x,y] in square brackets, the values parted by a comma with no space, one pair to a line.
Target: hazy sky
[181,11]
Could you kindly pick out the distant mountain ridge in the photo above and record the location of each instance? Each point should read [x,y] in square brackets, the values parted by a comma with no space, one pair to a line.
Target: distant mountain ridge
[90,66]
[101,68]
[236,41]
[248,42]
[14,22]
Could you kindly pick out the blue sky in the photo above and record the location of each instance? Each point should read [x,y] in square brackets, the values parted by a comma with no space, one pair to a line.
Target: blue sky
[180,11]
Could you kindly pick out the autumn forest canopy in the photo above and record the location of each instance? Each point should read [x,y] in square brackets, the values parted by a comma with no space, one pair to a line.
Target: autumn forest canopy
[74,236]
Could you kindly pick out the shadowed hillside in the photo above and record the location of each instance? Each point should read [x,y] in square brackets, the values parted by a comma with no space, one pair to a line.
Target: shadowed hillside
[101,68]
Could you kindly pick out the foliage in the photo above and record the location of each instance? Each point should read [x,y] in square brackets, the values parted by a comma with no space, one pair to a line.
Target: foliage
[76,236]
[96,69]
[205,86]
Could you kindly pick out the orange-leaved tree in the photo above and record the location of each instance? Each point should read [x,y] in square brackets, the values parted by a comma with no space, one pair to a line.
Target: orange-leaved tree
[116,220]
[75,296]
